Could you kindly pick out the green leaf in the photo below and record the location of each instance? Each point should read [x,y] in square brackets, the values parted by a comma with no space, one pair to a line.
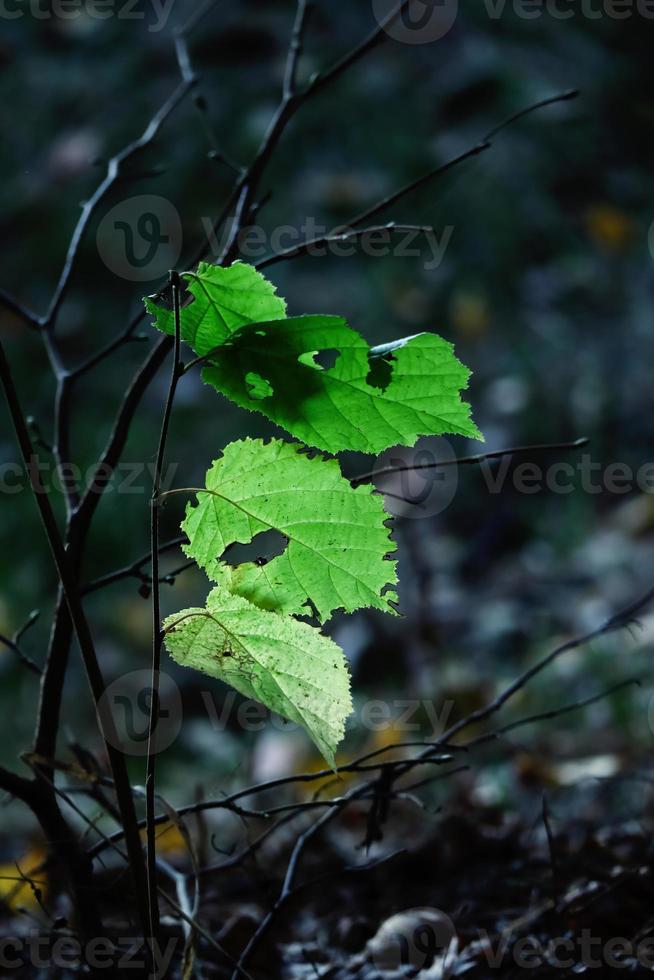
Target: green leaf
[225,299]
[286,665]
[366,401]
[337,536]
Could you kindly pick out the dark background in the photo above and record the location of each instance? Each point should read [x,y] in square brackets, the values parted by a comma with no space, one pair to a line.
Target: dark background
[546,289]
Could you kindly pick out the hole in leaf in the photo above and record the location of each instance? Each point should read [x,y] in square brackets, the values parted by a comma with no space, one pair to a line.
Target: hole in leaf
[321,360]
[311,617]
[326,359]
[258,387]
[380,372]
[260,550]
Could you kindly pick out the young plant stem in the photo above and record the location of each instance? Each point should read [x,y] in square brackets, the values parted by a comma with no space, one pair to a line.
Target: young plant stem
[157,636]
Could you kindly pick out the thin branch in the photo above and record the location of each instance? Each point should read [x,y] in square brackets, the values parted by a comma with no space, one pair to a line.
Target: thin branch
[311,245]
[16,785]
[13,644]
[246,189]
[619,621]
[181,880]
[80,522]
[196,17]
[481,147]
[187,72]
[69,587]
[235,860]
[552,100]
[27,625]
[230,803]
[289,880]
[394,769]
[295,48]
[114,173]
[184,60]
[52,680]
[475,460]
[118,438]
[135,570]
[57,658]
[19,310]
[382,205]
[378,35]
[372,212]
[156,618]
[553,713]
[110,843]
[126,335]
[22,656]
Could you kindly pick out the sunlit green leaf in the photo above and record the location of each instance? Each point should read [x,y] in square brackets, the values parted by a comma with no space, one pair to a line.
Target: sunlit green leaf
[367,400]
[225,299]
[288,666]
[337,536]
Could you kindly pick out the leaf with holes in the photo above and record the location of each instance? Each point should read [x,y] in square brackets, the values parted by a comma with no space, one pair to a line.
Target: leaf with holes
[338,541]
[224,300]
[366,400]
[314,375]
[288,666]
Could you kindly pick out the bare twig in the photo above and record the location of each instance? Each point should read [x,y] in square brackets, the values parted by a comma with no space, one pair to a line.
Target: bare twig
[13,644]
[156,619]
[135,570]
[566,709]
[371,213]
[619,621]
[114,173]
[288,884]
[552,100]
[82,630]
[376,36]
[22,656]
[312,245]
[475,460]
[295,48]
[19,309]
[439,750]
